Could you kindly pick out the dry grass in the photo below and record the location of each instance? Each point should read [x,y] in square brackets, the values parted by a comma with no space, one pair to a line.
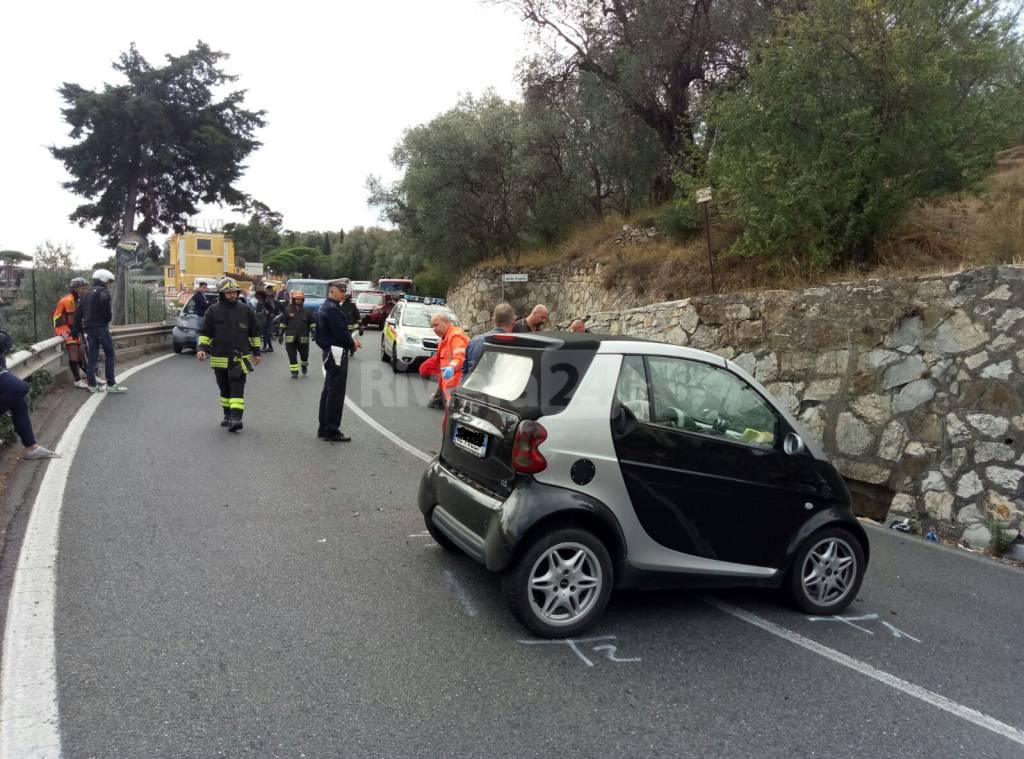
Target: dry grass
[937,236]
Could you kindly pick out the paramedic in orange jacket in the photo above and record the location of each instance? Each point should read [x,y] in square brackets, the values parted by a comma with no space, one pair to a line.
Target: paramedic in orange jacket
[64,327]
[451,353]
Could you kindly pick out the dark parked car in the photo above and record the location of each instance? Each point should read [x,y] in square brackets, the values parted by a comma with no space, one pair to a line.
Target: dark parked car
[184,333]
[576,464]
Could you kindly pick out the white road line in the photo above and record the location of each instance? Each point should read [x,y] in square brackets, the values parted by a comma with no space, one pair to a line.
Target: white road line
[459,592]
[941,702]
[388,433]
[29,717]
[382,429]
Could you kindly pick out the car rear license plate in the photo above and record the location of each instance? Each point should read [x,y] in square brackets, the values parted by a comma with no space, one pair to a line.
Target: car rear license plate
[470,440]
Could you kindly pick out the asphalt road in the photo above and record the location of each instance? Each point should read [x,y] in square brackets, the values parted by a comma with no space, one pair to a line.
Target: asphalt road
[268,594]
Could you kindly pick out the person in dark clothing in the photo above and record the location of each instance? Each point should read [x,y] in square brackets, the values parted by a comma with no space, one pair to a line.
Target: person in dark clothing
[295,326]
[333,336]
[351,312]
[199,298]
[231,337]
[13,395]
[535,321]
[96,316]
[504,317]
[263,308]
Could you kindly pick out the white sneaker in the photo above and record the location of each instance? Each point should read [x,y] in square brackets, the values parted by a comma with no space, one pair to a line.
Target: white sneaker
[116,389]
[97,389]
[41,453]
[82,384]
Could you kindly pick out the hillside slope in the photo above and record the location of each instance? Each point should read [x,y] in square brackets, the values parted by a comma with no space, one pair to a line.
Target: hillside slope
[938,235]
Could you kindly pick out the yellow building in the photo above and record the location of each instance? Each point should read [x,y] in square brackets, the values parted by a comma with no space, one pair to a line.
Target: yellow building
[197,254]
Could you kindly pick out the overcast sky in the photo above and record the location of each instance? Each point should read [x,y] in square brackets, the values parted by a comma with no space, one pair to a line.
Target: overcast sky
[339,83]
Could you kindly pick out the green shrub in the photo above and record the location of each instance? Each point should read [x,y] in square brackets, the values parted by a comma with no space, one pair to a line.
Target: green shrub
[1001,537]
[681,220]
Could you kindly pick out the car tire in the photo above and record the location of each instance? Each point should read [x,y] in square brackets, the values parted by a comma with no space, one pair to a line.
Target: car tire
[439,537]
[528,599]
[383,353]
[178,347]
[826,572]
[394,359]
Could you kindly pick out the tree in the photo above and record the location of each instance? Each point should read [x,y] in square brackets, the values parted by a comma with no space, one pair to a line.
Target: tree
[260,234]
[478,181]
[308,261]
[325,245]
[854,108]
[11,257]
[154,147]
[656,56]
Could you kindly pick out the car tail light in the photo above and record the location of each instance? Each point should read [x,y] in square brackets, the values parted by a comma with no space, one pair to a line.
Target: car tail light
[526,457]
[505,337]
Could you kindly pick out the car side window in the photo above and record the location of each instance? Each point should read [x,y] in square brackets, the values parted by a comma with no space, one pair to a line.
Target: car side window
[631,390]
[190,308]
[709,400]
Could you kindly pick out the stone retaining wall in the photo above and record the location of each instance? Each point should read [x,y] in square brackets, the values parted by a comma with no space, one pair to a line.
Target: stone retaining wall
[569,290]
[915,387]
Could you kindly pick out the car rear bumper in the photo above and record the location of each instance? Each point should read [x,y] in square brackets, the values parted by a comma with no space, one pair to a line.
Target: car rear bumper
[491,530]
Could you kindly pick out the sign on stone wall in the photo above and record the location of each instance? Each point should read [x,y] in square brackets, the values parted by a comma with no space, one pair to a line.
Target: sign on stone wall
[515,277]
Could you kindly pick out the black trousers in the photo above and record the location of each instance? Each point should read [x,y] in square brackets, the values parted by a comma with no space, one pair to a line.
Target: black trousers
[297,352]
[332,399]
[232,390]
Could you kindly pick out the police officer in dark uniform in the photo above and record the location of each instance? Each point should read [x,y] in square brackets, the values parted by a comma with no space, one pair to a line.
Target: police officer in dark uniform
[332,331]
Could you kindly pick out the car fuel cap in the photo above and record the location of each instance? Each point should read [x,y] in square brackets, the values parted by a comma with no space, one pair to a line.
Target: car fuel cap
[583,471]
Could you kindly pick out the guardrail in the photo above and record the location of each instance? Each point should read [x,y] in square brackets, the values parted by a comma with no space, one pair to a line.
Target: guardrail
[127,337]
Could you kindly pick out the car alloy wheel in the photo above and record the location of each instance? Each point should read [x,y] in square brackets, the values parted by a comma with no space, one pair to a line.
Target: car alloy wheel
[827,573]
[560,583]
[564,583]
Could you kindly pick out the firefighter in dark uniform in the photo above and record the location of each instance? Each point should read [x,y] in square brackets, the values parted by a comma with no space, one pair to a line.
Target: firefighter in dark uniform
[332,331]
[230,336]
[295,324]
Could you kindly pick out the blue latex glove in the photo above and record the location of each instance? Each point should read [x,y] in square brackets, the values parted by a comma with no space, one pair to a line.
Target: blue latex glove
[448,373]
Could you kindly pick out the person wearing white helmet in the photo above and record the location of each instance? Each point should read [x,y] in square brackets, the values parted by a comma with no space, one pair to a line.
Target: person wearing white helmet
[96,316]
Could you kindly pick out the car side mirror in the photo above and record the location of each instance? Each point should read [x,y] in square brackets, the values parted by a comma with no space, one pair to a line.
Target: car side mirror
[793,444]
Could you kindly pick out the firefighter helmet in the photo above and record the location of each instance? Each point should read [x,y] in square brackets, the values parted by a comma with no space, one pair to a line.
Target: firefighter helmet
[103,275]
[77,282]
[228,285]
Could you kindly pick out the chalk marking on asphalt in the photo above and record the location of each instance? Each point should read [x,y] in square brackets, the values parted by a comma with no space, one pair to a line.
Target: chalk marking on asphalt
[29,715]
[941,702]
[848,620]
[459,592]
[572,645]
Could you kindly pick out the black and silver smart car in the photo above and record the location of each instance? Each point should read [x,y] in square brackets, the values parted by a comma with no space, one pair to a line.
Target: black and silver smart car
[576,464]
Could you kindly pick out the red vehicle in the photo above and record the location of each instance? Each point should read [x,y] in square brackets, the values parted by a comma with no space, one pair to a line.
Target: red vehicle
[374,307]
[396,287]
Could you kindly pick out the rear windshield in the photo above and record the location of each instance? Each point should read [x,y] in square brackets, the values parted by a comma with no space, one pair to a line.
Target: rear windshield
[369,299]
[501,375]
[396,286]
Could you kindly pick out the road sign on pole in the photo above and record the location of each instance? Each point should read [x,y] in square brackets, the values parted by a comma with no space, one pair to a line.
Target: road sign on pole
[704,199]
[703,195]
